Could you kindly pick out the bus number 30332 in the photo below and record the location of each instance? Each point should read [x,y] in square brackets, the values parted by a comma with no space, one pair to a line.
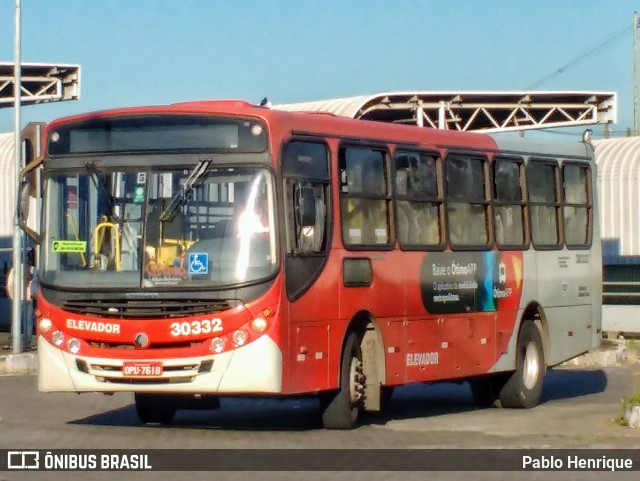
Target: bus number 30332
[205,326]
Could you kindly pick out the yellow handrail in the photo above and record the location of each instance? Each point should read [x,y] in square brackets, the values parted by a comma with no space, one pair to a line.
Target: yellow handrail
[75,231]
[98,239]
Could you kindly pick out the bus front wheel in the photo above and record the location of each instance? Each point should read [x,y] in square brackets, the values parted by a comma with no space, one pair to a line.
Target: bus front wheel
[341,410]
[154,408]
[524,387]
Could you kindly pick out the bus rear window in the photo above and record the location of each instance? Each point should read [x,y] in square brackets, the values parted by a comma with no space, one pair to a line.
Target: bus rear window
[158,133]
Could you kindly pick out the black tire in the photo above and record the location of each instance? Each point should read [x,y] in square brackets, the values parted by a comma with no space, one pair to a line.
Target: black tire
[154,408]
[341,410]
[486,389]
[524,387]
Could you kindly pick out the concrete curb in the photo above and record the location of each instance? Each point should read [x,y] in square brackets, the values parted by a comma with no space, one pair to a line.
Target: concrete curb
[21,363]
[607,356]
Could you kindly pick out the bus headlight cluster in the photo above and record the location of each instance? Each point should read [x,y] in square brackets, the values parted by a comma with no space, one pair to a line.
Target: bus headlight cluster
[45,324]
[259,325]
[239,337]
[74,345]
[57,337]
[217,344]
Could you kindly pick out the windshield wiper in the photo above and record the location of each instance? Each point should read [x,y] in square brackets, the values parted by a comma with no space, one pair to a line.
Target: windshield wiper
[99,181]
[184,194]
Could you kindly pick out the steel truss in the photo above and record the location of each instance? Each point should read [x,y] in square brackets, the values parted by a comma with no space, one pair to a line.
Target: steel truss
[474,111]
[40,83]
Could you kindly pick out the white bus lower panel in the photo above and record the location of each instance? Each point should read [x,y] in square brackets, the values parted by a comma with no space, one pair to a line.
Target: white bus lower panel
[252,369]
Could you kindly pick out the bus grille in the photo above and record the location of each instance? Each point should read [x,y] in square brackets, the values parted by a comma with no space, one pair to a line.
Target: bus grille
[145,309]
[120,345]
[171,380]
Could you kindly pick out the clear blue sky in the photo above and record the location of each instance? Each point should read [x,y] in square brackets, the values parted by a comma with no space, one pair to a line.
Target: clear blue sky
[138,52]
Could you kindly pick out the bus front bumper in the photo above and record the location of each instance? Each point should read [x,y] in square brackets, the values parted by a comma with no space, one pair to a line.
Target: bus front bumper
[252,369]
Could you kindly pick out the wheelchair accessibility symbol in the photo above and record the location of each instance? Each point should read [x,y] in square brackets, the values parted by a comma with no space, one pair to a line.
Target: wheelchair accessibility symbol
[198,263]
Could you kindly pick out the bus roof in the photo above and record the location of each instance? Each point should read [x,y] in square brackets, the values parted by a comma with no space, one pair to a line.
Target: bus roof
[515,144]
[284,123]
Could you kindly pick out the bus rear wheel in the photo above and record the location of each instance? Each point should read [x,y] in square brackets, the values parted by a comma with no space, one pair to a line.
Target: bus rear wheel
[524,387]
[341,410]
[154,408]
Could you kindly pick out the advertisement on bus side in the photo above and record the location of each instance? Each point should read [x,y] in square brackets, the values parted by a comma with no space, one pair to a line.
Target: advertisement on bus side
[455,282]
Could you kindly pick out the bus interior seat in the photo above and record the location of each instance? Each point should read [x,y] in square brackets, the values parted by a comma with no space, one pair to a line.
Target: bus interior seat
[376,230]
[543,224]
[458,220]
[575,223]
[404,221]
[504,228]
[429,233]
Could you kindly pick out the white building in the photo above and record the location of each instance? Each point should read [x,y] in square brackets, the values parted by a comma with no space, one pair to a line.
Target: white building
[7,209]
[619,195]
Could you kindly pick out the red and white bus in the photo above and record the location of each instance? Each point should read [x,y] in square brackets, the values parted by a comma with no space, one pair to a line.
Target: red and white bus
[215,248]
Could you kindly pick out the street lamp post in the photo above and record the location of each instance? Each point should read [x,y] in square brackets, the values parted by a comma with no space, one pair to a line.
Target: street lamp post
[18,236]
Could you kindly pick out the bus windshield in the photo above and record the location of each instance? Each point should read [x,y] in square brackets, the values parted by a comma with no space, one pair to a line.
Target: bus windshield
[198,226]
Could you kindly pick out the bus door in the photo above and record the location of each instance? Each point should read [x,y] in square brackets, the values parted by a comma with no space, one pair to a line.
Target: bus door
[373,273]
[419,206]
[310,278]
[577,215]
[561,218]
[463,281]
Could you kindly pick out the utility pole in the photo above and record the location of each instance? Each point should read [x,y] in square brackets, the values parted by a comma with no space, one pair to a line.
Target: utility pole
[18,236]
[635,73]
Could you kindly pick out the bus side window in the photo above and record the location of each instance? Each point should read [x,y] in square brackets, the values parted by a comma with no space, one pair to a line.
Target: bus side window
[306,164]
[418,199]
[543,203]
[577,207]
[467,204]
[508,202]
[364,197]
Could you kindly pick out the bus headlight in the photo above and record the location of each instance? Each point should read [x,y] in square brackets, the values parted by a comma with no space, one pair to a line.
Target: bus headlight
[74,345]
[57,337]
[239,337]
[259,325]
[45,324]
[217,344]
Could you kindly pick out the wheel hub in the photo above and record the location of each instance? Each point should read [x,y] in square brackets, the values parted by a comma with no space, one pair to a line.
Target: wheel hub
[531,368]
[356,380]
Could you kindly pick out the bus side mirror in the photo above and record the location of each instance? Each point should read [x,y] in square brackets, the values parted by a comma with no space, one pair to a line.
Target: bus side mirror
[28,195]
[306,207]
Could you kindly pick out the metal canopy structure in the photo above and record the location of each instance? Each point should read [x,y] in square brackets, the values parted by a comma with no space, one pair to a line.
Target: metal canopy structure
[474,111]
[40,83]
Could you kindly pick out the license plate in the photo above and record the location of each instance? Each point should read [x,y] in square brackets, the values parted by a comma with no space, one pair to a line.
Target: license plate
[142,369]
